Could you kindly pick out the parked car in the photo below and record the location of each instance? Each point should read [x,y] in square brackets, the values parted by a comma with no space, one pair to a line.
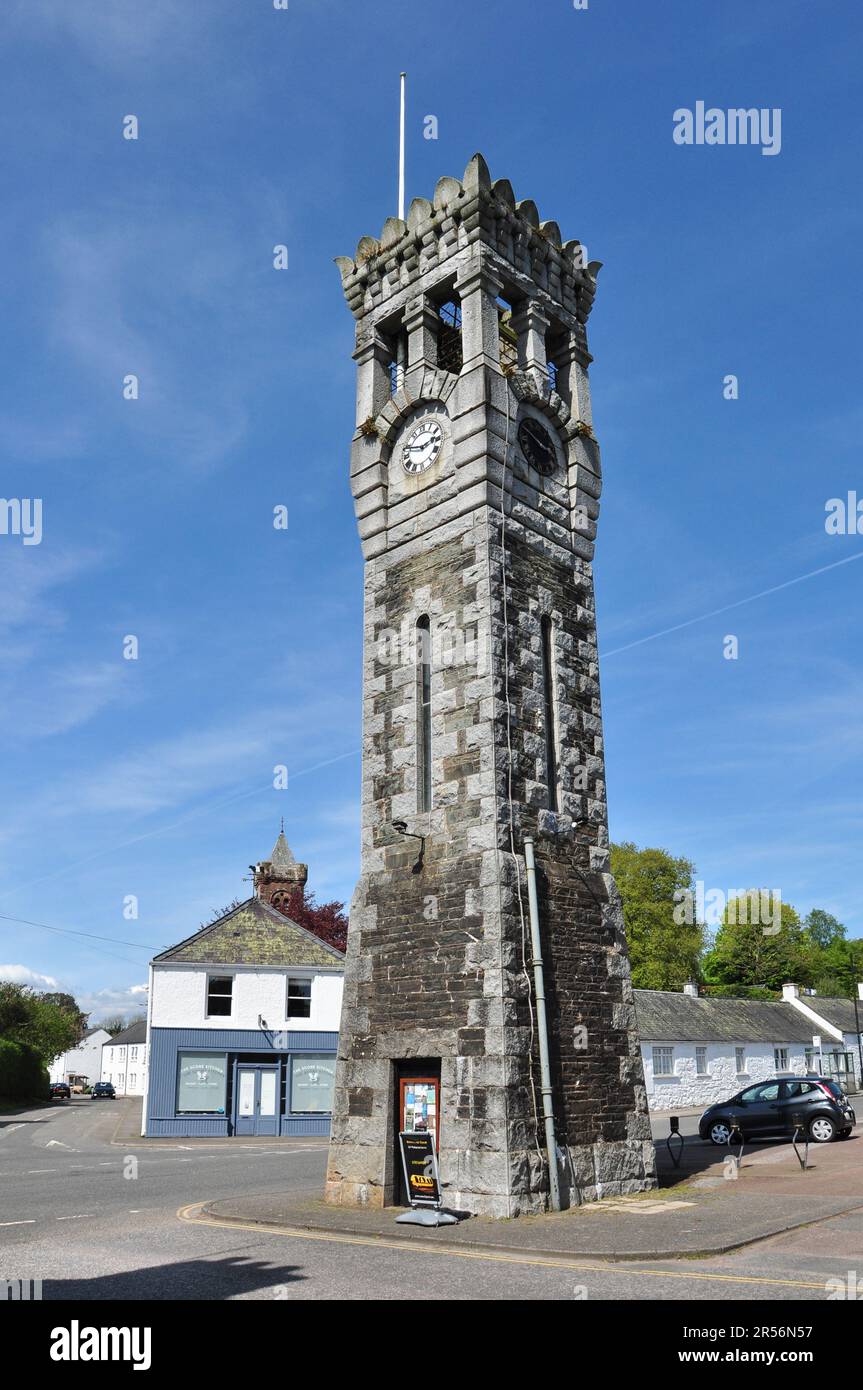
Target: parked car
[103,1090]
[770,1107]
[60,1091]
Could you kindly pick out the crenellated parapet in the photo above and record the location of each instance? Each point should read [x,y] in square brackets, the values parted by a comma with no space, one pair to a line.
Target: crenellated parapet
[534,259]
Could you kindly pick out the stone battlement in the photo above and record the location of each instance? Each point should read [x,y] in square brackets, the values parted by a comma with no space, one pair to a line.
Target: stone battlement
[461,213]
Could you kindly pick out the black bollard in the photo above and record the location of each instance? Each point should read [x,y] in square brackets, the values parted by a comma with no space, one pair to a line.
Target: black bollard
[735,1136]
[674,1133]
[800,1126]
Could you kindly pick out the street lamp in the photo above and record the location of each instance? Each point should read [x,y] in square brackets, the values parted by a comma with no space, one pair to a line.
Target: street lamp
[401,827]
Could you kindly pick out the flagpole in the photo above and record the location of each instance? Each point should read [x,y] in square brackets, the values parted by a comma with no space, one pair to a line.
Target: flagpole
[402,146]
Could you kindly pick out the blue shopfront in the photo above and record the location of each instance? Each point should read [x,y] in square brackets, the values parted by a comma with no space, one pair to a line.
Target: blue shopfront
[216,1082]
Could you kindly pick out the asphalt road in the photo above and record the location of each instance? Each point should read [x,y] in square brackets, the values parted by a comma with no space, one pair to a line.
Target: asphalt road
[96,1221]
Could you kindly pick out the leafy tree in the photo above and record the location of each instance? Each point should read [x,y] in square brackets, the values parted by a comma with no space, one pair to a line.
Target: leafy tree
[113,1025]
[822,928]
[36,1022]
[52,1030]
[841,966]
[326,920]
[69,1004]
[749,952]
[665,945]
[15,1009]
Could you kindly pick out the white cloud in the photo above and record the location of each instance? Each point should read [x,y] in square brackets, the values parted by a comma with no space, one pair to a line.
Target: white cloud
[23,975]
[129,1001]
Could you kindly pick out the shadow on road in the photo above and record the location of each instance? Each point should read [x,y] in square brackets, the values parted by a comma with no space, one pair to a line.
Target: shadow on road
[189,1280]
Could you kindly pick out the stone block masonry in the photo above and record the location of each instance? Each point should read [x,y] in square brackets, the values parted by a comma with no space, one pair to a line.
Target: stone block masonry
[493,555]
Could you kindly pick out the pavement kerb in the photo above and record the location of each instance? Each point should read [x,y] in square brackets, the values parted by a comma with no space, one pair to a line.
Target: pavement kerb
[208,1215]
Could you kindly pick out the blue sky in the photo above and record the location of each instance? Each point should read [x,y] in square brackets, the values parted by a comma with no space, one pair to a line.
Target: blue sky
[153,777]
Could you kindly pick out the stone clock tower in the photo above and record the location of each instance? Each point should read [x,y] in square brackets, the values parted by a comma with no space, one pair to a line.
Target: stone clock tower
[476,479]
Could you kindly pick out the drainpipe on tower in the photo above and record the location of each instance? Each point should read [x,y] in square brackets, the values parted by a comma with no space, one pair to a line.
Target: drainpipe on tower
[541,1025]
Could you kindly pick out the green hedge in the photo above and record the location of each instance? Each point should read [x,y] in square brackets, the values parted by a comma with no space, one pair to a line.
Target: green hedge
[22,1075]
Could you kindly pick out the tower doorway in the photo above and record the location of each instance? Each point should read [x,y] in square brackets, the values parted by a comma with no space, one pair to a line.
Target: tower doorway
[417,1109]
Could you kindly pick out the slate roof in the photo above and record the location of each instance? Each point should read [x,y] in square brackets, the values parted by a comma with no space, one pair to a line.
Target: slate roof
[668,1016]
[135,1033]
[838,1011]
[253,934]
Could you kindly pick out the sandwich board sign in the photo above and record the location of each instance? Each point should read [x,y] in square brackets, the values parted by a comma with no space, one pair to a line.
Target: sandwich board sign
[419,1162]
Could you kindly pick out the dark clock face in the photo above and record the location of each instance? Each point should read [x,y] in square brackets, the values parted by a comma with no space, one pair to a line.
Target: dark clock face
[537,446]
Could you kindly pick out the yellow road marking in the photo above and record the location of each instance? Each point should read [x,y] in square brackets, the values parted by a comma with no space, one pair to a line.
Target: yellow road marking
[496,1257]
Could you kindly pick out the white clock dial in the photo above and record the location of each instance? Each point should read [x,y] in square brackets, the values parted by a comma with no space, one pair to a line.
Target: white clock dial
[422,447]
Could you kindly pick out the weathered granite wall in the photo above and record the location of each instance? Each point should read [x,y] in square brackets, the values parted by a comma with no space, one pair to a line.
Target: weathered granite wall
[484,547]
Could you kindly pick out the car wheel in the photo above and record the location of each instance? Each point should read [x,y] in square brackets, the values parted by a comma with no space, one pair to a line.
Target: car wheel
[719,1132]
[822,1129]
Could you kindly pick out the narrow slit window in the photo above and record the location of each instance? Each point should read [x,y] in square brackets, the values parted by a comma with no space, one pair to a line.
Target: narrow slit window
[423,714]
[549,720]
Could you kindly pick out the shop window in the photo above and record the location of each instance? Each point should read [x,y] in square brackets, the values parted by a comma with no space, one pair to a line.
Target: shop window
[299,998]
[201,1083]
[313,1077]
[220,989]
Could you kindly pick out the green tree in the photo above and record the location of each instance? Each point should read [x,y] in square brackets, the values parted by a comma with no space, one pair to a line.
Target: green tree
[822,928]
[749,951]
[118,1024]
[665,941]
[16,1009]
[37,1022]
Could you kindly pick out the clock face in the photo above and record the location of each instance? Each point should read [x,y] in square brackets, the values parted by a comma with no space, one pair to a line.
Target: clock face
[422,446]
[537,446]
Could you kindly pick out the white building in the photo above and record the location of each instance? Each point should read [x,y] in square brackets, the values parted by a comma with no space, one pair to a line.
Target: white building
[124,1060]
[81,1064]
[243,1020]
[700,1050]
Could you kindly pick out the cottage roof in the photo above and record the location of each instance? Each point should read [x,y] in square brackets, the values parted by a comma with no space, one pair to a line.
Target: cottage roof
[135,1033]
[668,1016]
[253,934]
[838,1011]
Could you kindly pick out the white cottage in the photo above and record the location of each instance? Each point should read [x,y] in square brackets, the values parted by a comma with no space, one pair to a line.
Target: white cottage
[81,1065]
[124,1060]
[700,1050]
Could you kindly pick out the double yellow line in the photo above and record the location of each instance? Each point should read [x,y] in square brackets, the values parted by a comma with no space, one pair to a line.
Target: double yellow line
[192,1213]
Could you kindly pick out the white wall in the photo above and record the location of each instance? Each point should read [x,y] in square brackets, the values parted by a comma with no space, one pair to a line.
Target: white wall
[687,1088]
[128,1074]
[179,998]
[85,1060]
